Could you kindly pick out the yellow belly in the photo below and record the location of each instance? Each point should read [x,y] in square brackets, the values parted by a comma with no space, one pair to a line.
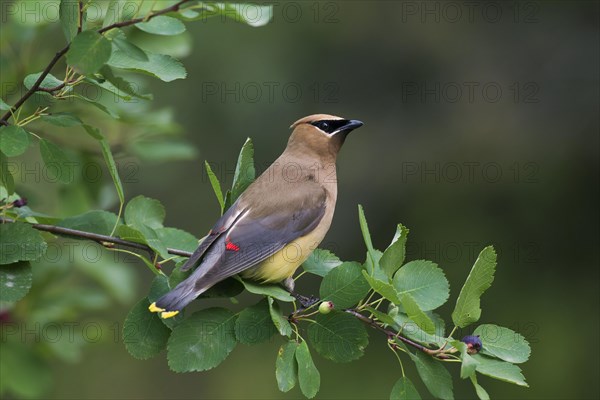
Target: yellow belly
[284,263]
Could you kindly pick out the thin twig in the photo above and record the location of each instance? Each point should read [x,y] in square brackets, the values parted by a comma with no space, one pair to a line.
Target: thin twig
[80,16]
[174,7]
[36,86]
[101,239]
[391,334]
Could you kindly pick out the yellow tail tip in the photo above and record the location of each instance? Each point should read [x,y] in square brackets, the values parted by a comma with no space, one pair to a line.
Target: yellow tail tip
[154,308]
[168,314]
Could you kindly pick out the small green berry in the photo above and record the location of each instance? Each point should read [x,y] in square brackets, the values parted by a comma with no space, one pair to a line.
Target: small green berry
[326,307]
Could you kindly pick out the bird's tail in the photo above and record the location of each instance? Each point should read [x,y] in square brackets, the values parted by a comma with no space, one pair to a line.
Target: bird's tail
[171,303]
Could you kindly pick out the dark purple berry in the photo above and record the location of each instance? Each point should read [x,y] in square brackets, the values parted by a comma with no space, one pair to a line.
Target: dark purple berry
[473,343]
[20,202]
[4,316]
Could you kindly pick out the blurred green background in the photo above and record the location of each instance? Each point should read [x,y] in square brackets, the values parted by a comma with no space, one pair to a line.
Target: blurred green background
[481,127]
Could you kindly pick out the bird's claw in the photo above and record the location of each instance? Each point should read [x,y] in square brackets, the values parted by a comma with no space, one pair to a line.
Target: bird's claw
[305,301]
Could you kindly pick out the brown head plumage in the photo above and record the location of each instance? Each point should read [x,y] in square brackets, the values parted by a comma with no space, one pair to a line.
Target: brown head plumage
[322,134]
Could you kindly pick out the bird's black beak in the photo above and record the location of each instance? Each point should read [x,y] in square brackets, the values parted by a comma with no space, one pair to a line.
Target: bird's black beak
[351,125]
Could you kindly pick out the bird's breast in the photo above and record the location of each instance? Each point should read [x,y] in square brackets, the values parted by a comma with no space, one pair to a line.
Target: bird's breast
[286,261]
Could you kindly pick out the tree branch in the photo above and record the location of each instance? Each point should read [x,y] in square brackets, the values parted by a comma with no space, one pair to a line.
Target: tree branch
[104,240]
[391,334]
[174,7]
[36,86]
[80,16]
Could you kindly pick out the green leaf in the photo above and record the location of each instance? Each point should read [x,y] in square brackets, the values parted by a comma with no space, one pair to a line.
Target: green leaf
[144,334]
[96,221]
[267,290]
[411,330]
[338,336]
[117,278]
[177,239]
[163,67]
[108,159]
[468,307]
[202,341]
[145,235]
[385,289]
[216,185]
[128,233]
[15,281]
[227,199]
[177,46]
[417,315]
[58,165]
[254,324]
[50,81]
[162,25]
[177,275]
[89,51]
[308,374]
[142,210]
[244,171]
[69,17]
[4,106]
[344,285]
[160,286]
[117,85]
[371,265]
[250,14]
[468,365]
[404,390]
[320,262]
[435,376]
[365,230]
[41,99]
[503,343]
[501,370]
[425,282]
[120,10]
[481,393]
[393,256]
[20,242]
[23,371]
[67,347]
[63,119]
[281,323]
[160,151]
[14,140]
[286,368]
[154,241]
[6,178]
[130,49]
[381,316]
[98,105]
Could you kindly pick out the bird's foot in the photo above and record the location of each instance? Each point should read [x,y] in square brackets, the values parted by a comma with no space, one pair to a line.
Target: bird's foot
[305,301]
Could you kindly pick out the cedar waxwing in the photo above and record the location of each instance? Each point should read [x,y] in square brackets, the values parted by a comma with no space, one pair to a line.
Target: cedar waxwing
[277,221]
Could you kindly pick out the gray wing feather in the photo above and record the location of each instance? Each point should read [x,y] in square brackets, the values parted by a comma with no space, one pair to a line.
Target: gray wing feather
[220,227]
[253,238]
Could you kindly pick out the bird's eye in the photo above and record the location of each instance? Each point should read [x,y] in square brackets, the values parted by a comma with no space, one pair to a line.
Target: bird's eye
[324,126]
